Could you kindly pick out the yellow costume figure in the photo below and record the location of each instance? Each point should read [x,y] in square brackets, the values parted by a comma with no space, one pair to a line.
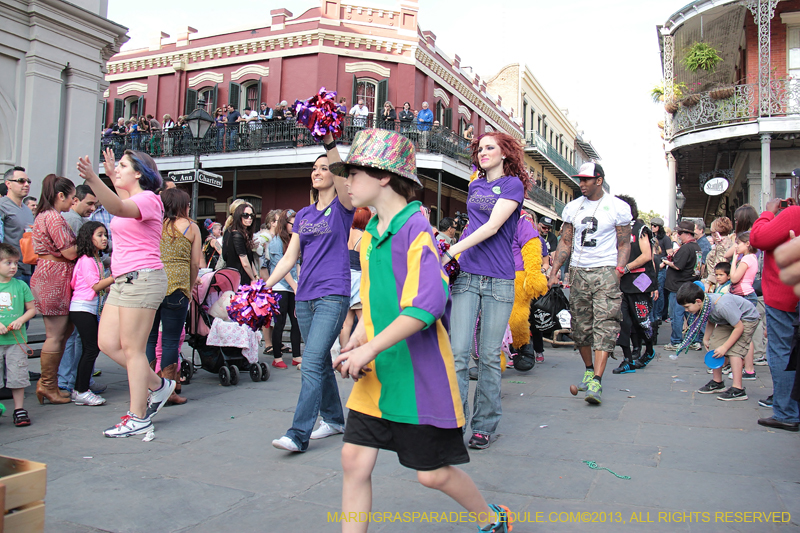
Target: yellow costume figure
[530,283]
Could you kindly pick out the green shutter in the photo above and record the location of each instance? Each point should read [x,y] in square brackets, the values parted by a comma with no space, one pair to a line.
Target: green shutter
[140,107]
[191,101]
[214,99]
[119,109]
[234,90]
[382,96]
[104,112]
[355,91]
[258,97]
[448,119]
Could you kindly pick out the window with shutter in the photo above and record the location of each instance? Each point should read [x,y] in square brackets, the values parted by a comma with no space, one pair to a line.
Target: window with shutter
[234,93]
[191,101]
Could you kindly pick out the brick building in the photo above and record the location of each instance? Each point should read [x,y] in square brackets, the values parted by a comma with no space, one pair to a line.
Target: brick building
[378,55]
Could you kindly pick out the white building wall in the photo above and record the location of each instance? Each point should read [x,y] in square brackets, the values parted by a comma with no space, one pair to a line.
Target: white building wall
[52,59]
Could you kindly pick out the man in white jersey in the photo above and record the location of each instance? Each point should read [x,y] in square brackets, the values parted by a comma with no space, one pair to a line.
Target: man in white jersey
[597,234]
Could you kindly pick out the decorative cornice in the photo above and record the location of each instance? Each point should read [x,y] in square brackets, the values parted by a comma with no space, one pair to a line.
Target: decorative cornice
[367,66]
[462,110]
[213,77]
[440,93]
[130,87]
[427,62]
[243,49]
[250,69]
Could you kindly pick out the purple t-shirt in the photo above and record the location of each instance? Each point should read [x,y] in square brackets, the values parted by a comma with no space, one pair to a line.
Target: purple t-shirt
[525,232]
[493,257]
[325,269]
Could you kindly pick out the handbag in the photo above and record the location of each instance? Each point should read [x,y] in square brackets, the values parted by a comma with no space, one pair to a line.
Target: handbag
[29,257]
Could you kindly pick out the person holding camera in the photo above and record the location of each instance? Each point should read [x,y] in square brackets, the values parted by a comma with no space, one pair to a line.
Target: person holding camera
[769,231]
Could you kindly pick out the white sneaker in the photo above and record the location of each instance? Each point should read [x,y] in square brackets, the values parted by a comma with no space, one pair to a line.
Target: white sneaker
[673,357]
[87,398]
[130,425]
[285,443]
[325,430]
[158,398]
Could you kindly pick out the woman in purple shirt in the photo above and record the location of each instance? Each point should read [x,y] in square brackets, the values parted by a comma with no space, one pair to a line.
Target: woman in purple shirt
[486,282]
[320,234]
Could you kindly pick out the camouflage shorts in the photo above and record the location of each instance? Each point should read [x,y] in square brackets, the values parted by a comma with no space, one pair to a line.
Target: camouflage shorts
[595,303]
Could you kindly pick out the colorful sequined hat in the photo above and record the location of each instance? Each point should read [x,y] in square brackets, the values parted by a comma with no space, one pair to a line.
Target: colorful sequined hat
[385,150]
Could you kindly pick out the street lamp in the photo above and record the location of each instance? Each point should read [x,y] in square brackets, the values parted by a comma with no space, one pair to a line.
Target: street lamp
[680,201]
[199,122]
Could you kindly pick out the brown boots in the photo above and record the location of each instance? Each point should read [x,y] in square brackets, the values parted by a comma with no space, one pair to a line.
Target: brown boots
[171,372]
[47,386]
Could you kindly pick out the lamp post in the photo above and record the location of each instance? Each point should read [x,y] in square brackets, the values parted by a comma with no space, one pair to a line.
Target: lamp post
[199,122]
[680,201]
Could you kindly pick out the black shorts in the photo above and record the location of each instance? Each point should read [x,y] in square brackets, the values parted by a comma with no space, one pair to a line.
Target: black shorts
[419,447]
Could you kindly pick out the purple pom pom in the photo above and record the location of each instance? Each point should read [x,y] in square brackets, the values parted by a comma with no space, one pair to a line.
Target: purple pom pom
[320,115]
[452,269]
[254,305]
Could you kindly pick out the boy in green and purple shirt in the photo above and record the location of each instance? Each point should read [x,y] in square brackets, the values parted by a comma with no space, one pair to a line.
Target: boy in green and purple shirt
[406,398]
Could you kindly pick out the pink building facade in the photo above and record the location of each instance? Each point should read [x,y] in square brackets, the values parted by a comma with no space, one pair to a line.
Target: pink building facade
[361,52]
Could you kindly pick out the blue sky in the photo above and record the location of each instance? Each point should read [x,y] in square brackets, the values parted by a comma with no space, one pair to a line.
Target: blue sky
[597,59]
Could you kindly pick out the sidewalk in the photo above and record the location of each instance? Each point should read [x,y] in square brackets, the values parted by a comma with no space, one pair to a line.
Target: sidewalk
[211,467]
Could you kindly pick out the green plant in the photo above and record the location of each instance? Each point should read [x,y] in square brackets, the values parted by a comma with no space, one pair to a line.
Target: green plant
[701,56]
[659,92]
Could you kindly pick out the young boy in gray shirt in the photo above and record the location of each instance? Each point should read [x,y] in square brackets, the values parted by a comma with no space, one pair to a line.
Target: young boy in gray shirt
[731,321]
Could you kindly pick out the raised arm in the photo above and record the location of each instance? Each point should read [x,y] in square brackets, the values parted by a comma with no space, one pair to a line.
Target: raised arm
[338,181]
[108,198]
[562,253]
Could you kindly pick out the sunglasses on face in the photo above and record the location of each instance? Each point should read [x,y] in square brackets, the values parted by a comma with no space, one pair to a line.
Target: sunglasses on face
[247,215]
[21,181]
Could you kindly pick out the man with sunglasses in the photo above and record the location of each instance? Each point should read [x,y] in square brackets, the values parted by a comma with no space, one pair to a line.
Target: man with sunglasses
[15,216]
[684,268]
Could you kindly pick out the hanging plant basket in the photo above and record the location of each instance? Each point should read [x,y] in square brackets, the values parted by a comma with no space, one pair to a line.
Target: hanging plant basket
[691,100]
[721,93]
[671,107]
[701,56]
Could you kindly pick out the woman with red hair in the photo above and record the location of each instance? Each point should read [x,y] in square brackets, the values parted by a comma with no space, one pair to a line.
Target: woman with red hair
[360,219]
[486,282]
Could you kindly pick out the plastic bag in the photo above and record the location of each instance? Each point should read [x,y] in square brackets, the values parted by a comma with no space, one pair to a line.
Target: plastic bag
[545,310]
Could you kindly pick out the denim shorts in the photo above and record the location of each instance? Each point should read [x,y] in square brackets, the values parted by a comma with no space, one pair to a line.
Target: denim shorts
[147,291]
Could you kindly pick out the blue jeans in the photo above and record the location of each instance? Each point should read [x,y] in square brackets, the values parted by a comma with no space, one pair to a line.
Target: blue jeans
[493,297]
[68,369]
[658,305]
[779,345]
[320,322]
[171,315]
[676,313]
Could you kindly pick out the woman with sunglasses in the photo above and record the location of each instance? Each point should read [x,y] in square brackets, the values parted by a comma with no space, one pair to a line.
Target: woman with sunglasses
[237,247]
[286,287]
[322,299]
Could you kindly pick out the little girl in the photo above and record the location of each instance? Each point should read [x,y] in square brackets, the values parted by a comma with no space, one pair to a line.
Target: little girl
[743,274]
[88,294]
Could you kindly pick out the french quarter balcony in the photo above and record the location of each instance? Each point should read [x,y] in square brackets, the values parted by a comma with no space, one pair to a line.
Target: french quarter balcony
[544,198]
[735,104]
[270,135]
[545,154]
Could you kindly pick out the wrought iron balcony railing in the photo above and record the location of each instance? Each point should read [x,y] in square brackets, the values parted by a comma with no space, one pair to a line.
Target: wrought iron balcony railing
[732,105]
[257,136]
[537,141]
[542,197]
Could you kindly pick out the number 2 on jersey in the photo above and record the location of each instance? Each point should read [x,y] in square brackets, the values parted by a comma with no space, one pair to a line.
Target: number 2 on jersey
[590,228]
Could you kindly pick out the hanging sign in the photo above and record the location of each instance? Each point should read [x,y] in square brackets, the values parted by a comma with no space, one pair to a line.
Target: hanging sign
[715,186]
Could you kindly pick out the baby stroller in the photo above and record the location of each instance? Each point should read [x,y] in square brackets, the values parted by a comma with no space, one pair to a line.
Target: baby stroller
[223,360]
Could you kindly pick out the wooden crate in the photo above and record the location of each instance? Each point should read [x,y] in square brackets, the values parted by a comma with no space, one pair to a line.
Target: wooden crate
[28,518]
[24,481]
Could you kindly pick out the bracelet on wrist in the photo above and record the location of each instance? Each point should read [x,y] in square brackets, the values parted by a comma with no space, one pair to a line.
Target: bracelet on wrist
[329,146]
